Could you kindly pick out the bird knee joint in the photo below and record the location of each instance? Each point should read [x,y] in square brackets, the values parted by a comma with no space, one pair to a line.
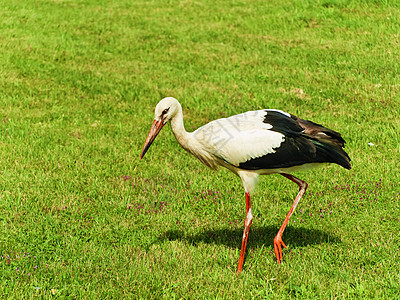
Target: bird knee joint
[249,218]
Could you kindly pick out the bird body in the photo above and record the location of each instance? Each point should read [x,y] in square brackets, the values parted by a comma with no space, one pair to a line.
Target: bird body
[254,143]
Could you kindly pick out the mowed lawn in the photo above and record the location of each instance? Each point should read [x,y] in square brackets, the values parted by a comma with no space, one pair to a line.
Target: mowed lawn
[83,218]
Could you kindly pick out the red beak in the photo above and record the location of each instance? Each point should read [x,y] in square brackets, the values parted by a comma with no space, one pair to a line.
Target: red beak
[154,130]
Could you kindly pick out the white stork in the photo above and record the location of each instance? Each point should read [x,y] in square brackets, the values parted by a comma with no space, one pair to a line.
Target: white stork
[255,143]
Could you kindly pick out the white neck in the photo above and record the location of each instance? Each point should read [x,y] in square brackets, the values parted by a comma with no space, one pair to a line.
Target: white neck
[178,128]
[189,142]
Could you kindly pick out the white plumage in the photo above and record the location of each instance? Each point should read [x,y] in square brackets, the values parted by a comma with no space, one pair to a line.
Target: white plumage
[239,138]
[252,144]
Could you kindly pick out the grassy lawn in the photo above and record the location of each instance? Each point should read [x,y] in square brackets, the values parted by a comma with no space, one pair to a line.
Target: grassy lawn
[83,218]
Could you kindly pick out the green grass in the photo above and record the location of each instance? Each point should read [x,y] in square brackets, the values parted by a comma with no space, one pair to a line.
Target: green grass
[83,218]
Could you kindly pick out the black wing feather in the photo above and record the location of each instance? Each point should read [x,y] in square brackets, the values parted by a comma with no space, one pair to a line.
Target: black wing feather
[305,142]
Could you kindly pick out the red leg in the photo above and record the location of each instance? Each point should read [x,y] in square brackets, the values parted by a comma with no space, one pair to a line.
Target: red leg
[278,238]
[247,224]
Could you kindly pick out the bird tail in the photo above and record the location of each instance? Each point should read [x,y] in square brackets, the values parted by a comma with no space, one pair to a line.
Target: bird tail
[332,152]
[329,143]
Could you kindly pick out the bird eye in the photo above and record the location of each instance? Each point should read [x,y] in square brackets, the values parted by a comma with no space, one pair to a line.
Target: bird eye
[165,111]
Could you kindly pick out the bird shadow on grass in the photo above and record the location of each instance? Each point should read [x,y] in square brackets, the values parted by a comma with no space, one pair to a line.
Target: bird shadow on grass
[259,236]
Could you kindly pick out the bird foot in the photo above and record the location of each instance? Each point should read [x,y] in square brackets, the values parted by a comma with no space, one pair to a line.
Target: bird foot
[278,243]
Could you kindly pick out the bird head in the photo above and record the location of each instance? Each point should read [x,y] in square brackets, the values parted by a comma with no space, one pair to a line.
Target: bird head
[165,110]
